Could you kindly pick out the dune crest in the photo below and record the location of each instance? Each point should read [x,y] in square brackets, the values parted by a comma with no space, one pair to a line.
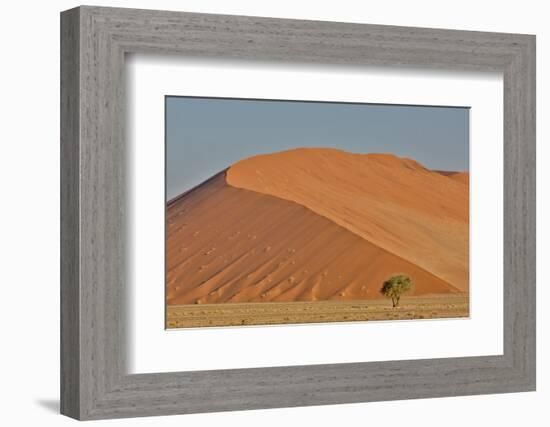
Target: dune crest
[396,204]
[463,177]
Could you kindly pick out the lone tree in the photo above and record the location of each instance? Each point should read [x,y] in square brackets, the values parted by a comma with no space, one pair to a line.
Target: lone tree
[395,286]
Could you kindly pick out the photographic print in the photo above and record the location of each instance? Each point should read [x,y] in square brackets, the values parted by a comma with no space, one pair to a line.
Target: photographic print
[283,211]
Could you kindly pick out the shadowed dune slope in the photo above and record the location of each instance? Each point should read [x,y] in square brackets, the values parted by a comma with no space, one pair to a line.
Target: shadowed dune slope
[463,177]
[394,203]
[226,244]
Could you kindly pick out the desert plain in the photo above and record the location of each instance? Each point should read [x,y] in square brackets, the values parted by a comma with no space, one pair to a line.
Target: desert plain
[310,235]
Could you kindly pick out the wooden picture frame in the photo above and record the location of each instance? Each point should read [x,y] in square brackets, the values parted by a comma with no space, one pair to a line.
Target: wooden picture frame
[94,380]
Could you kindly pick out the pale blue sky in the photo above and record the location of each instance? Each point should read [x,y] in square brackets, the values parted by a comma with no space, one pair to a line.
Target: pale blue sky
[206,135]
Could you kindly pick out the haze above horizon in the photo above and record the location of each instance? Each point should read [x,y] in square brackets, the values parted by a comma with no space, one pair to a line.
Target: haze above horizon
[207,135]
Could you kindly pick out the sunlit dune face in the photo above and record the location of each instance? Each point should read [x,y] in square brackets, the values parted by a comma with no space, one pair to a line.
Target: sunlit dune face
[317,224]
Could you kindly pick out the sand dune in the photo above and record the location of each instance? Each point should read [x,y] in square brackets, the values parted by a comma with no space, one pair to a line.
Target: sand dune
[394,204]
[228,244]
[463,177]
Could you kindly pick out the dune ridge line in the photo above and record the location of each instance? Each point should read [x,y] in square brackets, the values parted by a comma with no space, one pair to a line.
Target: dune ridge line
[395,203]
[270,242]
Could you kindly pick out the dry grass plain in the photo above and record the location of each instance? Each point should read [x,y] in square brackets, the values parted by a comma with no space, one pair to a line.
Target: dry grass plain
[233,314]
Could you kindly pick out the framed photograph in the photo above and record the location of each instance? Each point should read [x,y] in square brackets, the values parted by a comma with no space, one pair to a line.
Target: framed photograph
[262,213]
[314,212]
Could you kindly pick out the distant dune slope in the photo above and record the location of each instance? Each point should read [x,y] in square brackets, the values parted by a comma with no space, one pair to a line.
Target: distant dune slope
[463,177]
[394,203]
[226,244]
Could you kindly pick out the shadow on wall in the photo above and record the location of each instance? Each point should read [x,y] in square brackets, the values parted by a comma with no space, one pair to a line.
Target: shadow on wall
[52,405]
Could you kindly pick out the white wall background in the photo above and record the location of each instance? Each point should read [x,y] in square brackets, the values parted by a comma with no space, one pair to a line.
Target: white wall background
[29,213]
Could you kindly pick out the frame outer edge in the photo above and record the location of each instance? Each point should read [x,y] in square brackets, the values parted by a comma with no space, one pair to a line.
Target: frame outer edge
[532,225]
[520,216]
[527,78]
[70,396]
[91,386]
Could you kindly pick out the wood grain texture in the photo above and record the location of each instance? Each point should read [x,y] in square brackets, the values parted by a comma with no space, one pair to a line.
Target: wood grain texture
[70,314]
[94,381]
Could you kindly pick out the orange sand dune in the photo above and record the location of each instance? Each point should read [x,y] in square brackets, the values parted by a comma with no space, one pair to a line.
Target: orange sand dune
[393,203]
[226,244]
[463,177]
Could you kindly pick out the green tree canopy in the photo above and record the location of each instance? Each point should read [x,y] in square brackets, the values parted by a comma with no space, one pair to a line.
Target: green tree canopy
[395,286]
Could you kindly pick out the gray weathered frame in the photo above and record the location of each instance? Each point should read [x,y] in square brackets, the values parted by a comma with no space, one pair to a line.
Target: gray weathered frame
[94,41]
